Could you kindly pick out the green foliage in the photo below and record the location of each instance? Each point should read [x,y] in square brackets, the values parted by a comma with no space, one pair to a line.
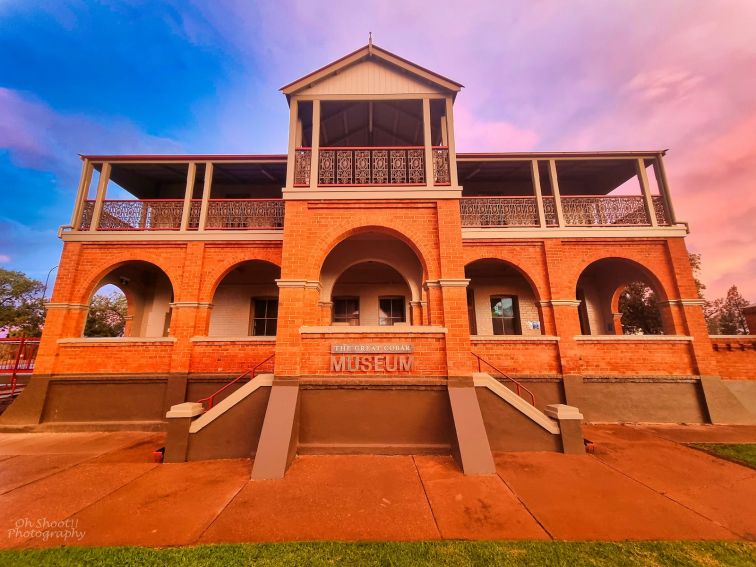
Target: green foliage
[695,265]
[107,315]
[421,554]
[22,309]
[640,314]
[743,453]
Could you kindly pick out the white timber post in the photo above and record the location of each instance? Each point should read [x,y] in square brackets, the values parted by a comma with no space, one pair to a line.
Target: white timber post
[640,168]
[102,188]
[206,189]
[450,143]
[555,189]
[81,193]
[191,174]
[293,142]
[661,182]
[536,178]
[314,157]
[427,142]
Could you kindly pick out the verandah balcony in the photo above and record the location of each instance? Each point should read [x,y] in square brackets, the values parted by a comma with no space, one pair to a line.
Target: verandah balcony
[603,189]
[218,193]
[363,166]
[166,214]
[614,210]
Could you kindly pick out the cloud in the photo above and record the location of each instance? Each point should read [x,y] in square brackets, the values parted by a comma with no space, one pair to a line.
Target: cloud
[4,258]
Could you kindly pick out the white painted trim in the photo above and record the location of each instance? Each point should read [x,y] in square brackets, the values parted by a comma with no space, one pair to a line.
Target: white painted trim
[485,380]
[371,329]
[227,403]
[114,341]
[309,284]
[81,306]
[493,233]
[187,409]
[515,338]
[172,235]
[683,302]
[732,337]
[371,193]
[190,304]
[563,412]
[250,339]
[560,303]
[634,338]
[448,282]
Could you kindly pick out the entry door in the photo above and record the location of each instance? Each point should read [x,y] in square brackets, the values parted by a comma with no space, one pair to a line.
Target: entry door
[471,312]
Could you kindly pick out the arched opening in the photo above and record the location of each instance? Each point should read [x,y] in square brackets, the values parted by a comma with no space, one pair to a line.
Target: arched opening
[132,300]
[620,297]
[372,279]
[500,300]
[245,302]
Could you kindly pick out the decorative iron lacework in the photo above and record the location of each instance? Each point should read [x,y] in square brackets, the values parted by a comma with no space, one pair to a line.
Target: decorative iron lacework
[441,175]
[302,165]
[368,166]
[660,210]
[86,215]
[162,214]
[499,211]
[549,211]
[234,214]
[604,211]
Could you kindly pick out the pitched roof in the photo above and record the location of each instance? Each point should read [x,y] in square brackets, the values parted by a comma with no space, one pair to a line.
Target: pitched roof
[367,52]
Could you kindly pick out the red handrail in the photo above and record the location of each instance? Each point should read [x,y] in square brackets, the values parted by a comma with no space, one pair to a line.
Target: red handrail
[22,362]
[253,372]
[519,387]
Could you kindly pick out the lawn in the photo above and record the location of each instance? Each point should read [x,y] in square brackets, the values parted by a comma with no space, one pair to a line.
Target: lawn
[456,553]
[743,453]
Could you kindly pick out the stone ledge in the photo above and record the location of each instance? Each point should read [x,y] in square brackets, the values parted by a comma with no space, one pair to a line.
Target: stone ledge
[371,330]
[115,341]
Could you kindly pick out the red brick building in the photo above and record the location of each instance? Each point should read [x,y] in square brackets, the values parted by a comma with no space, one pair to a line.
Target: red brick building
[387,293]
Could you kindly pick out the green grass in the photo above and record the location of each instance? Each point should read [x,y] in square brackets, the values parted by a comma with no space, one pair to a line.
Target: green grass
[743,453]
[435,554]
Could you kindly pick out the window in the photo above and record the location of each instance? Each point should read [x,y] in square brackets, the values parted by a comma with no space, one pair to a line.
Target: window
[504,315]
[346,310]
[264,317]
[392,310]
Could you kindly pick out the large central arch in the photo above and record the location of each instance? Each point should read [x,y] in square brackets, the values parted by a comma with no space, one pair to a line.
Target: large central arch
[371,269]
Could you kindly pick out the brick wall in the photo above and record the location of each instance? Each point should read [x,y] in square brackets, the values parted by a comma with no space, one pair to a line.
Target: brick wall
[736,357]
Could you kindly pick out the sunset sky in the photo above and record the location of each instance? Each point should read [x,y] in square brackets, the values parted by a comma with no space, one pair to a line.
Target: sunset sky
[203,77]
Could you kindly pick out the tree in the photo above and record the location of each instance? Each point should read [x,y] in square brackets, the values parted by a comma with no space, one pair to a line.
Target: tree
[695,266]
[730,313]
[22,309]
[107,315]
[640,314]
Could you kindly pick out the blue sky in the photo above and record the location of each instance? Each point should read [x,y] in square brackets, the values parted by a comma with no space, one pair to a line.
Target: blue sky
[165,77]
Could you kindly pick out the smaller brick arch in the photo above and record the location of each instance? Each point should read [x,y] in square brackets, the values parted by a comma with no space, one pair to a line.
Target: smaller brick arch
[214,280]
[600,286]
[510,264]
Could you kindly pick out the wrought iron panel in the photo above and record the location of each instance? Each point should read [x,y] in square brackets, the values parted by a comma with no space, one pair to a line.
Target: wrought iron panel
[141,215]
[344,167]
[327,167]
[302,165]
[398,166]
[441,175]
[362,167]
[660,210]
[86,215]
[380,161]
[549,211]
[499,211]
[416,166]
[235,214]
[604,211]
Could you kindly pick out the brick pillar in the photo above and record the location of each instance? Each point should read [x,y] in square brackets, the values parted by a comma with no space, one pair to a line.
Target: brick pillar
[416,312]
[692,308]
[297,306]
[617,323]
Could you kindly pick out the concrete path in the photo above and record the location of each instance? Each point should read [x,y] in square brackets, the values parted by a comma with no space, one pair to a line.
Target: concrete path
[641,483]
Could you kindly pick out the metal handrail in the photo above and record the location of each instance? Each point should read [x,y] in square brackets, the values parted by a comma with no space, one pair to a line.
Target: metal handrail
[519,387]
[253,372]
[23,362]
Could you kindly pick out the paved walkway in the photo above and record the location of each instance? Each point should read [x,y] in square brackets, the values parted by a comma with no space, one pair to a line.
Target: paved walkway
[641,483]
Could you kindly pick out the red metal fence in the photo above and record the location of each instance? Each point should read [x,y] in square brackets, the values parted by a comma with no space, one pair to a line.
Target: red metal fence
[17,356]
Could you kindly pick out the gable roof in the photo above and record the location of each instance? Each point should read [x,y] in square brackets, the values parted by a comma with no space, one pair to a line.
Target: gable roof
[371,51]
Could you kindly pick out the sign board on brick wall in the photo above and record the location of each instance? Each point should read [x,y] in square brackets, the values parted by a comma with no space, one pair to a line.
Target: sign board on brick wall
[378,358]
